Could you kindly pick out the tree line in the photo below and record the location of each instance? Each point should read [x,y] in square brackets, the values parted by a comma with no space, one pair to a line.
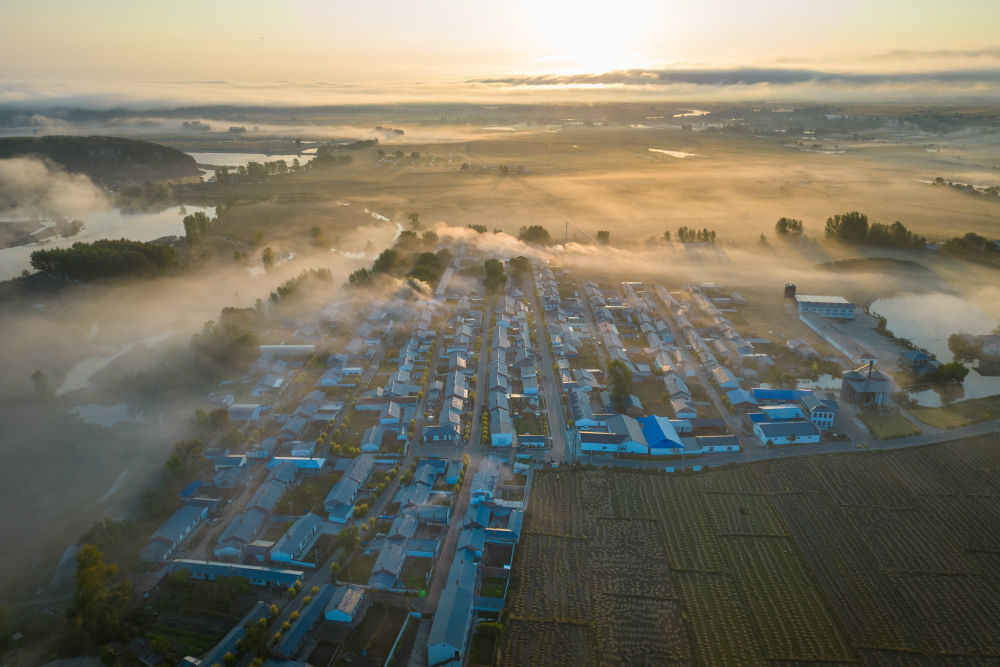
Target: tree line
[854,228]
[105,258]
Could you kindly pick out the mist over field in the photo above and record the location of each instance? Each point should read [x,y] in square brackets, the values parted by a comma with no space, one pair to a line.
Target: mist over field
[499,334]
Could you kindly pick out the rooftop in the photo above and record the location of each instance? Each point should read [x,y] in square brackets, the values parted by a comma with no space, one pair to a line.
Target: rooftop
[814,298]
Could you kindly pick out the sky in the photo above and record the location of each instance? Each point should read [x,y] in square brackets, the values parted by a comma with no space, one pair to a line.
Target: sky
[55,46]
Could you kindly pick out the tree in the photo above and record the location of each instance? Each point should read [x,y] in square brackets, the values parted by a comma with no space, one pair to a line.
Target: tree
[95,612]
[534,234]
[481,229]
[789,227]
[604,237]
[493,275]
[415,155]
[267,256]
[41,382]
[964,346]
[849,227]
[196,224]
[359,278]
[666,236]
[386,262]
[763,238]
[187,458]
[414,220]
[953,371]
[619,379]
[520,265]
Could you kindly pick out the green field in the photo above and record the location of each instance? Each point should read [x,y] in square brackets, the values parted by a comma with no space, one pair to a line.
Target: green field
[889,427]
[962,413]
[862,557]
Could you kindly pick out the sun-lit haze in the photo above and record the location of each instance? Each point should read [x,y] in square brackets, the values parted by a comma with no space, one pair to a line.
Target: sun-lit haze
[519,332]
[324,53]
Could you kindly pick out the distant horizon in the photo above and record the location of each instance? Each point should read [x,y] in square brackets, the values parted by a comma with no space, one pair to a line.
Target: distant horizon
[774,85]
[104,53]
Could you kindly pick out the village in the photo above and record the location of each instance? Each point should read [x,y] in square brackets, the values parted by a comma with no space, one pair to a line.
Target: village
[377,505]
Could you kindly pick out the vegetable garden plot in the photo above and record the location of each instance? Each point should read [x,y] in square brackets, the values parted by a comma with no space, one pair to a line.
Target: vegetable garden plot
[886,658]
[988,564]
[870,609]
[631,496]
[972,521]
[731,480]
[905,541]
[790,613]
[734,514]
[961,614]
[594,490]
[721,626]
[688,534]
[550,579]
[936,471]
[628,558]
[553,510]
[534,642]
[639,631]
[857,480]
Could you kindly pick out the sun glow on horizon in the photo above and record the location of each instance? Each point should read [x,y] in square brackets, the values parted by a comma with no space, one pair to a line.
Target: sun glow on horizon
[572,38]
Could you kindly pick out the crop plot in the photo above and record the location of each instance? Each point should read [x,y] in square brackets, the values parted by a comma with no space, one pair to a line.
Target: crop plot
[687,532]
[961,613]
[722,628]
[550,512]
[639,630]
[532,642]
[550,579]
[899,542]
[737,514]
[790,613]
[888,558]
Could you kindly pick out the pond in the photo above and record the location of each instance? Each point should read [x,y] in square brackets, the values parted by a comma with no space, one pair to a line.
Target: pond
[236,159]
[928,320]
[110,224]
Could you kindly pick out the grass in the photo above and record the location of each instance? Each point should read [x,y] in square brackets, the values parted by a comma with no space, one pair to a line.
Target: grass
[415,572]
[358,569]
[482,648]
[191,643]
[307,496]
[654,397]
[586,358]
[527,423]
[493,587]
[889,427]
[962,413]
[375,634]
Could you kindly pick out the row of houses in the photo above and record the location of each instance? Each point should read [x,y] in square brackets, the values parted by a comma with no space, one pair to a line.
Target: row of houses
[450,392]
[487,520]
[512,373]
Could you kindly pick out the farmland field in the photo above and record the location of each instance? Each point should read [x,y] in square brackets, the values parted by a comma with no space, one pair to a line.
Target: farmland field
[864,558]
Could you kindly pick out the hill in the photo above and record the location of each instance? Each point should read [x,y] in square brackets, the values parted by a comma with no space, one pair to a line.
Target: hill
[105,159]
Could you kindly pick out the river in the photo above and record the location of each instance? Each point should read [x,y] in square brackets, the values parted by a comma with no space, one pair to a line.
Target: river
[110,224]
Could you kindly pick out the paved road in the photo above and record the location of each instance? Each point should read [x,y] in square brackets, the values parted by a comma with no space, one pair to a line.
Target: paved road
[550,387]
